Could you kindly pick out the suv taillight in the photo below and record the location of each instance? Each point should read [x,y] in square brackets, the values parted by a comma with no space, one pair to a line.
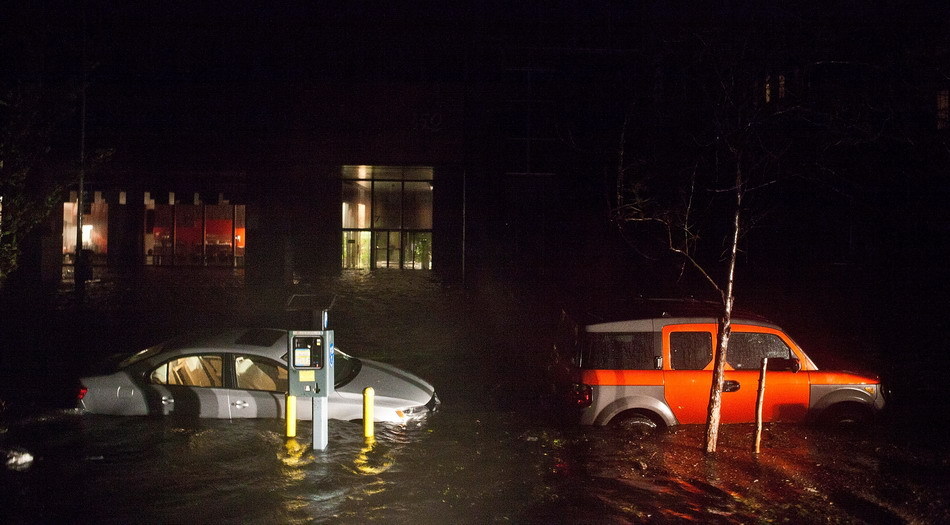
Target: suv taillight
[581,395]
[81,391]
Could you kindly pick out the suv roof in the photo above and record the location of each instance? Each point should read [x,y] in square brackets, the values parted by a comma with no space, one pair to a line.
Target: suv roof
[638,308]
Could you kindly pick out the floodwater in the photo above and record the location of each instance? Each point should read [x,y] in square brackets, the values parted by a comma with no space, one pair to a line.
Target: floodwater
[493,453]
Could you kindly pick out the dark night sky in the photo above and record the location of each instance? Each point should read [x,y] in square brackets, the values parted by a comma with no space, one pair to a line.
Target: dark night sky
[185,64]
[223,71]
[209,76]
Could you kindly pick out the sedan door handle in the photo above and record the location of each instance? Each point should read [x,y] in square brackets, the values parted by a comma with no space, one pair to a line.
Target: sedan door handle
[730,386]
[240,404]
[167,400]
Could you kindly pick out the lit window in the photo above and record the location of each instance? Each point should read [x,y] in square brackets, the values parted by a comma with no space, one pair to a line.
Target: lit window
[387,217]
[86,234]
[94,233]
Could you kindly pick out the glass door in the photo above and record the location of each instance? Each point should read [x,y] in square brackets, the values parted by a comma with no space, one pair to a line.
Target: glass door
[388,249]
[357,247]
[418,251]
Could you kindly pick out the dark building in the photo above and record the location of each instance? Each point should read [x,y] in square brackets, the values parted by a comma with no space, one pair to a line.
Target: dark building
[420,140]
[465,140]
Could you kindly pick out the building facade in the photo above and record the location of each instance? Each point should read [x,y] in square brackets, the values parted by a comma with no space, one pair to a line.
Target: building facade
[462,142]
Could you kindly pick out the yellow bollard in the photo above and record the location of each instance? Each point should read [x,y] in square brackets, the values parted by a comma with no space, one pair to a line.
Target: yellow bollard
[368,399]
[291,415]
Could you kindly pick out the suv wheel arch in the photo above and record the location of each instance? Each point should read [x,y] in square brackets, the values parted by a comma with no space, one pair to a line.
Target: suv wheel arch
[656,409]
[845,414]
[638,421]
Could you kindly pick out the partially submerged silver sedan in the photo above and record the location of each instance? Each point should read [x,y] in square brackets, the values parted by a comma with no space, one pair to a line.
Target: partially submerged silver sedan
[242,373]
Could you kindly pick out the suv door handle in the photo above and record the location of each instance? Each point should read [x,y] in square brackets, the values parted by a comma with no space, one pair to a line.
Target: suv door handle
[730,386]
[240,404]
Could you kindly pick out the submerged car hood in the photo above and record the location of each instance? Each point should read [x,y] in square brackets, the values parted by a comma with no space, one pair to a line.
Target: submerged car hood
[389,381]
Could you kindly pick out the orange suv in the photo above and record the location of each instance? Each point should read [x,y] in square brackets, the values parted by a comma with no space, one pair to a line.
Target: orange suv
[650,365]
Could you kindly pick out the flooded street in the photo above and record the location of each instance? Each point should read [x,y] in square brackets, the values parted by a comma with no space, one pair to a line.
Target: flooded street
[492,454]
[147,470]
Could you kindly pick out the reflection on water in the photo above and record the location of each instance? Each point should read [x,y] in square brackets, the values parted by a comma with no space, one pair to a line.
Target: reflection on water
[460,466]
[803,475]
[370,464]
[121,470]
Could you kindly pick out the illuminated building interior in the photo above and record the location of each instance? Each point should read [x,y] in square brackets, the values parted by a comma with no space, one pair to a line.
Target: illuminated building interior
[387,217]
[177,233]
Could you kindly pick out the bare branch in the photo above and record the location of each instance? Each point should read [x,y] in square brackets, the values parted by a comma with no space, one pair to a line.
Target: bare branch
[677,250]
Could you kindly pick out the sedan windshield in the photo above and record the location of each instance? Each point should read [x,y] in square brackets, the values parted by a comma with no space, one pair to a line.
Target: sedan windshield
[345,368]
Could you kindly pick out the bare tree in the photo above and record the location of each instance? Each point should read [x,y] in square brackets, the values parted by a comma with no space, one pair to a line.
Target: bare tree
[734,154]
[39,91]
[757,107]
[25,199]
[681,238]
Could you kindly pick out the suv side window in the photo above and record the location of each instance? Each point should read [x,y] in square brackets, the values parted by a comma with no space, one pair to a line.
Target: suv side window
[746,349]
[618,351]
[690,350]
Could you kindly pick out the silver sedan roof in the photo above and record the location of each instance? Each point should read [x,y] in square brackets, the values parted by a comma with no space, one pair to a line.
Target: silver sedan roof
[267,342]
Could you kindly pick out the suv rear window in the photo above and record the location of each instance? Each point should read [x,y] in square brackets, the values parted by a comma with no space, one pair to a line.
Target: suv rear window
[618,351]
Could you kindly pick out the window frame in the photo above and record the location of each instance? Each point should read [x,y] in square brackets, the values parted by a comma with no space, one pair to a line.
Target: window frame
[738,334]
[150,371]
[649,339]
[739,327]
[700,330]
[390,210]
[256,358]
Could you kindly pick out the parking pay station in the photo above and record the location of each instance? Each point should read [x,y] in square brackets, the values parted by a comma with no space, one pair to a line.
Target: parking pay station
[310,355]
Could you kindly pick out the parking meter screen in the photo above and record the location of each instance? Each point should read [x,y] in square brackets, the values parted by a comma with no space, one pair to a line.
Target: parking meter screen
[308,352]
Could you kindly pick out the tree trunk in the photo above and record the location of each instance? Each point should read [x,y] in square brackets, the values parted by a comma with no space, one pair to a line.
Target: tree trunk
[725,329]
[715,391]
[759,402]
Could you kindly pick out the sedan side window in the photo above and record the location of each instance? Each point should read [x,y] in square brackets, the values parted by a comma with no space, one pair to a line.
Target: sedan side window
[258,373]
[746,349]
[194,370]
[690,350]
